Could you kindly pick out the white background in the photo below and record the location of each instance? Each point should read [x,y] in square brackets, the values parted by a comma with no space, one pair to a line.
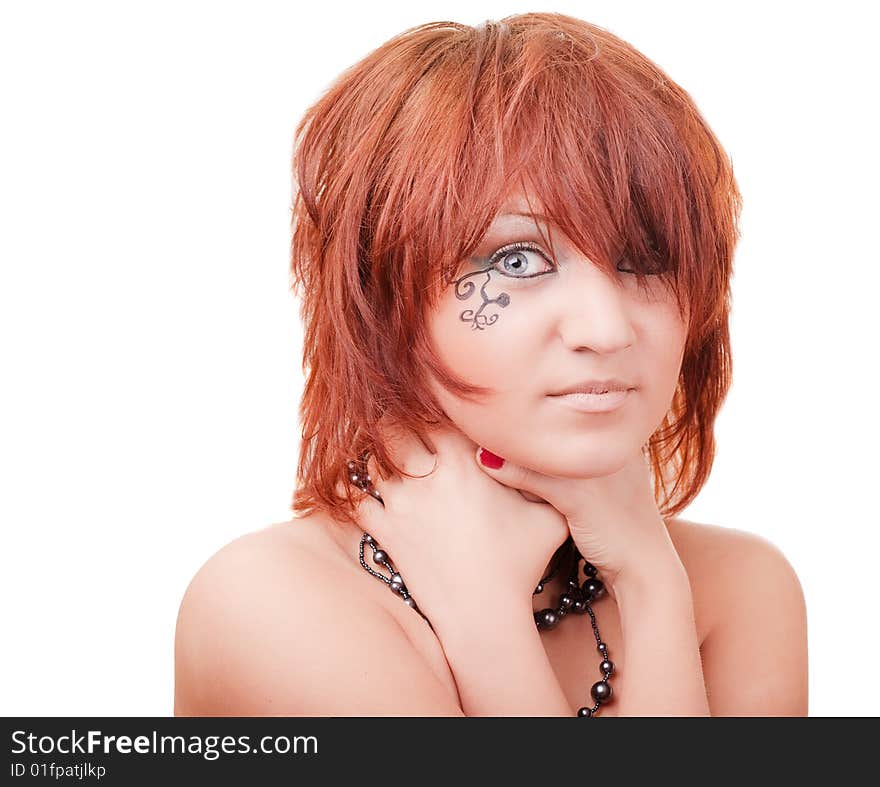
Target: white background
[150,347]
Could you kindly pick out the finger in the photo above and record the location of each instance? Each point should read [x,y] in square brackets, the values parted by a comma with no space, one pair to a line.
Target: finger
[534,486]
[531,497]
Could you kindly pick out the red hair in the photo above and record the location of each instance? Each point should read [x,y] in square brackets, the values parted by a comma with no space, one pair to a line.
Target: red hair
[400,167]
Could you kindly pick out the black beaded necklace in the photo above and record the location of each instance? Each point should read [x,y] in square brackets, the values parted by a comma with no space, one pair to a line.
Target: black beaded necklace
[576,599]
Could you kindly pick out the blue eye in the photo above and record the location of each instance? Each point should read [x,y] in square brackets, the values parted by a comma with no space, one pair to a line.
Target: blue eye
[512,268]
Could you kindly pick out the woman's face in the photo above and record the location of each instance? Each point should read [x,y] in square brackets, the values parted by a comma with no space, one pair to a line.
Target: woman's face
[560,326]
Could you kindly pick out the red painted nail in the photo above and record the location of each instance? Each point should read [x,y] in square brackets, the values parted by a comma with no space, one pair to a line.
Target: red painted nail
[490,460]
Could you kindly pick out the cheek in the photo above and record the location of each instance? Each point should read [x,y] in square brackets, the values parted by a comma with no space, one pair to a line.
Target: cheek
[492,355]
[664,348]
[501,356]
[505,355]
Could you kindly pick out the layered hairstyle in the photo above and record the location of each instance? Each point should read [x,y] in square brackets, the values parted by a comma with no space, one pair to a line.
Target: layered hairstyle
[401,165]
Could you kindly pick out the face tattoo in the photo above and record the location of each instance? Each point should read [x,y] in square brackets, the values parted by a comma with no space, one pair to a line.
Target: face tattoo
[464,290]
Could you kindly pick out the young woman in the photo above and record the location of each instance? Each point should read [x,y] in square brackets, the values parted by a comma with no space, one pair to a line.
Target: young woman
[513,244]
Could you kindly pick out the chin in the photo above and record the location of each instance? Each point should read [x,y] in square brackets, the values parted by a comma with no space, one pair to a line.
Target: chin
[582,463]
[595,468]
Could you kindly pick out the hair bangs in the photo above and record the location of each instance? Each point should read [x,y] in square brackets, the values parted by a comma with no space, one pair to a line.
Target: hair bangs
[405,161]
[616,156]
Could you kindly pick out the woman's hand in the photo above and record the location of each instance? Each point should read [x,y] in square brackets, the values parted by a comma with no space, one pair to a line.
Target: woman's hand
[463,543]
[613,519]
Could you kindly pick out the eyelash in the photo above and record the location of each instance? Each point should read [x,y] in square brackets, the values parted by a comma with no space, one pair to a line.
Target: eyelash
[501,253]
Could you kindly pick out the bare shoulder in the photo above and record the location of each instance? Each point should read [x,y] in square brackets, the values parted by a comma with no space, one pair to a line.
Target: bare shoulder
[269,625]
[724,560]
[753,599]
[714,551]
[703,544]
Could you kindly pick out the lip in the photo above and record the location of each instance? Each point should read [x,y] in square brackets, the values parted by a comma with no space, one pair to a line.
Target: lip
[591,386]
[593,403]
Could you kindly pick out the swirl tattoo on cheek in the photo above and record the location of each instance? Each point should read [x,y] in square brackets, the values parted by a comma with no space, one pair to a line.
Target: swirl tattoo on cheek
[464,290]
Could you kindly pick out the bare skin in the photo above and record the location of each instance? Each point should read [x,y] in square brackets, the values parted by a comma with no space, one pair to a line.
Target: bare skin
[257,635]
[286,621]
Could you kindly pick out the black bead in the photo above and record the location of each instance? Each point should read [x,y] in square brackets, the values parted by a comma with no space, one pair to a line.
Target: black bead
[380,556]
[601,691]
[602,648]
[539,589]
[397,587]
[592,588]
[606,667]
[549,618]
[584,712]
[566,600]
[589,569]
[579,607]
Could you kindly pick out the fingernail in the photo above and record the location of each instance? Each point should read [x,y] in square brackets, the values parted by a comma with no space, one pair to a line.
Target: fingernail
[490,460]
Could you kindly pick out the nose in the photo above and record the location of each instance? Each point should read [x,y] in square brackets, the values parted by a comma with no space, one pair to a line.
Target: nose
[595,312]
